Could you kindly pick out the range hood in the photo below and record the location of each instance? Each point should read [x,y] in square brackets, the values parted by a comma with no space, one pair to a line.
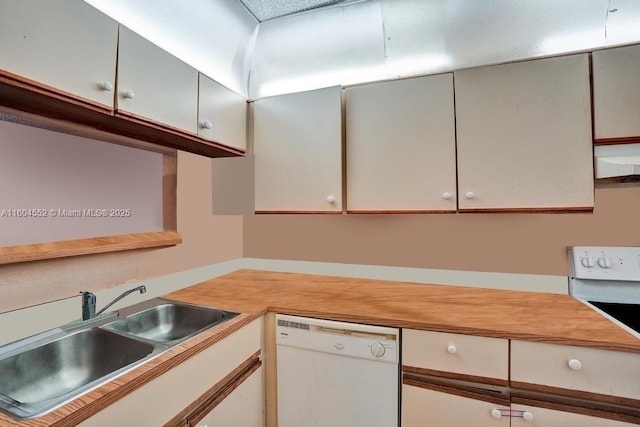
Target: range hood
[617,160]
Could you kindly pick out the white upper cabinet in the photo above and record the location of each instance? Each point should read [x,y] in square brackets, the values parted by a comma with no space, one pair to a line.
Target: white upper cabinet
[298,152]
[524,135]
[65,44]
[222,114]
[155,85]
[400,146]
[616,92]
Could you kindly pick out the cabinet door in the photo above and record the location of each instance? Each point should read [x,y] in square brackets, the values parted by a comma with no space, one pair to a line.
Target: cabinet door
[400,142]
[616,92]
[167,395]
[298,152]
[524,135]
[425,408]
[575,369]
[154,84]
[65,44]
[540,417]
[222,114]
[243,407]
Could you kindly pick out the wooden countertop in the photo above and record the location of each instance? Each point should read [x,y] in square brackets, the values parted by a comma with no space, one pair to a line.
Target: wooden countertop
[529,316]
[532,316]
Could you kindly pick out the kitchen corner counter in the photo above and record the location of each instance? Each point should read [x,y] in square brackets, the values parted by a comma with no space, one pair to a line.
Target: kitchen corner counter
[531,316]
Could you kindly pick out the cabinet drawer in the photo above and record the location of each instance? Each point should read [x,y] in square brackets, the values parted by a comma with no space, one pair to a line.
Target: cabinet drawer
[455,353]
[576,368]
[542,417]
[424,407]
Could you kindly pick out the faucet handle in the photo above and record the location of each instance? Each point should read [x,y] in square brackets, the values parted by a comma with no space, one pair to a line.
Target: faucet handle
[88,305]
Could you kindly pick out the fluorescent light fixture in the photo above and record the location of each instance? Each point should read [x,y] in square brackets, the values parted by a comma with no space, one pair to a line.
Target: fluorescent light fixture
[416,65]
[316,81]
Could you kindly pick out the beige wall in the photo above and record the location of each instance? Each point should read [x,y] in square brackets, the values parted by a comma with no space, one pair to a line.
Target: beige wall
[206,240]
[510,243]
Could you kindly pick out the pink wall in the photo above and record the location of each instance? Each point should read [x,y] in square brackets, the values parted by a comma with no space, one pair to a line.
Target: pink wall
[206,240]
[512,243]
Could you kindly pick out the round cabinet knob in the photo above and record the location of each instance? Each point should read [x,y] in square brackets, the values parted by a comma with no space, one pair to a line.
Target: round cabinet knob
[106,86]
[575,364]
[331,199]
[452,349]
[528,416]
[588,262]
[206,124]
[604,262]
[496,413]
[469,195]
[446,196]
[129,94]
[377,349]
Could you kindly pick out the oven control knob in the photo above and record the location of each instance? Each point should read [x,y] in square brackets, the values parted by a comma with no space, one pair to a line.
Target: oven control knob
[377,349]
[604,262]
[588,262]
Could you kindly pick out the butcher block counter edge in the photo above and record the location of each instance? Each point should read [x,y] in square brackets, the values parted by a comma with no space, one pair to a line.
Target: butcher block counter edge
[520,315]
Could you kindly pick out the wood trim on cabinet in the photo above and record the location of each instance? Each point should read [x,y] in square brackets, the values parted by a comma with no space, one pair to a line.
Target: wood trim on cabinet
[32,97]
[577,394]
[403,212]
[616,141]
[454,376]
[298,212]
[576,209]
[169,192]
[575,406]
[211,398]
[468,391]
[20,83]
[92,245]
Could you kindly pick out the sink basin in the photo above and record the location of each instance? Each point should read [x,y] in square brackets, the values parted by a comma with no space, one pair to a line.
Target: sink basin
[46,376]
[41,373]
[170,322]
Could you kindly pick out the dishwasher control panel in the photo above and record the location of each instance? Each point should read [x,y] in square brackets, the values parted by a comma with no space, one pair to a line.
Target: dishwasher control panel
[341,338]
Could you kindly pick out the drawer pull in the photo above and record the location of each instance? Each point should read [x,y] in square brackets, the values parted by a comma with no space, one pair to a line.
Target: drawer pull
[452,349]
[575,364]
[527,416]
[495,413]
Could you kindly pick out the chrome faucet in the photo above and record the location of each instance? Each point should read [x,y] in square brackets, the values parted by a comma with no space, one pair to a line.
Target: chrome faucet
[89,300]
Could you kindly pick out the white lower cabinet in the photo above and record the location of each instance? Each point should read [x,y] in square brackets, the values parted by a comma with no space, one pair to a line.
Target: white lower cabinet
[423,407]
[243,407]
[541,417]
[160,400]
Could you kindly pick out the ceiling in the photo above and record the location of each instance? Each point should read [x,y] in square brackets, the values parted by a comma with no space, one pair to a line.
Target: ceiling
[264,10]
[261,48]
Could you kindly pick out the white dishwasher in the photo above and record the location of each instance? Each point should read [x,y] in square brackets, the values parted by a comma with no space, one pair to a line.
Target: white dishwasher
[336,374]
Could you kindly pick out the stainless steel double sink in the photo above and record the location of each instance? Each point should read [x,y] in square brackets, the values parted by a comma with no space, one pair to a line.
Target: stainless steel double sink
[41,373]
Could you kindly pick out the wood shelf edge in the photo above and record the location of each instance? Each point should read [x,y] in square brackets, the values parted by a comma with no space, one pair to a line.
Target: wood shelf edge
[92,245]
[32,97]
